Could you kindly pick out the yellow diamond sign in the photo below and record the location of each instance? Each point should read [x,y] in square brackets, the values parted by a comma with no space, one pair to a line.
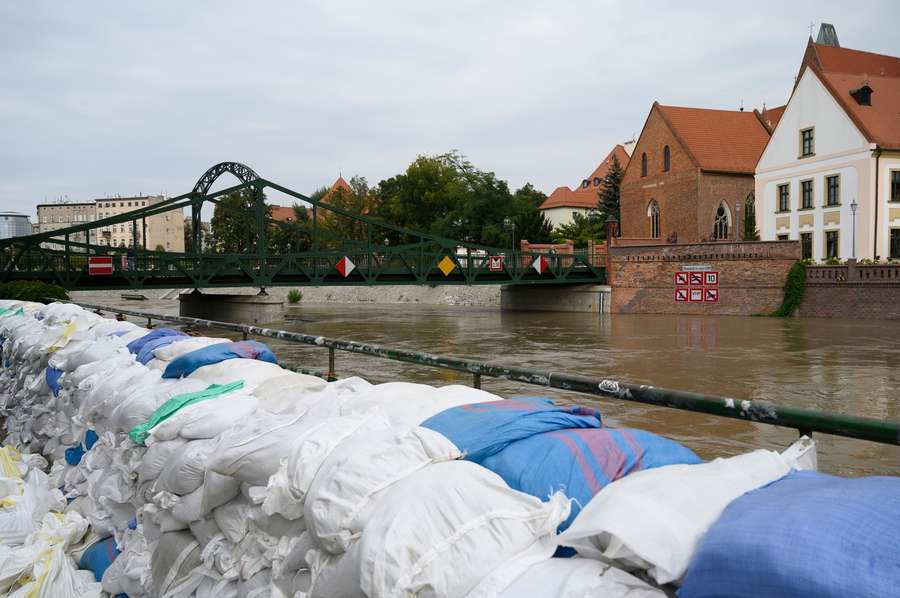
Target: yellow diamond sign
[447,265]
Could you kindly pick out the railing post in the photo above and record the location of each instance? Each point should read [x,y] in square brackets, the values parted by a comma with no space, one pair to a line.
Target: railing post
[245,334]
[476,381]
[332,375]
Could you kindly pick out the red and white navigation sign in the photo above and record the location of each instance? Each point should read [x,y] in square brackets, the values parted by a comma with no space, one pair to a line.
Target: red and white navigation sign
[711,295]
[495,263]
[100,265]
[540,264]
[345,266]
[711,278]
[696,278]
[681,278]
[681,294]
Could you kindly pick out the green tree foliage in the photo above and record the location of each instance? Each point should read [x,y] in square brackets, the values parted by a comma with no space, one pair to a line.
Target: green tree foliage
[233,225]
[446,195]
[582,229]
[31,290]
[356,200]
[794,289]
[531,224]
[608,202]
[294,235]
[751,233]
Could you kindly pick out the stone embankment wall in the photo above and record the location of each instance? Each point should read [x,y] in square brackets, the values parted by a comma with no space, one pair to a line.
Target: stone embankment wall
[863,292]
[750,277]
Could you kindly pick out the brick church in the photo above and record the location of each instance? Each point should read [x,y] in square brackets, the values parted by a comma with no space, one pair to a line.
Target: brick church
[691,174]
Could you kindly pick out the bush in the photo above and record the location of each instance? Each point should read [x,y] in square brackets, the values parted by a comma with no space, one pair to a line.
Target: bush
[794,287]
[833,261]
[31,290]
[294,296]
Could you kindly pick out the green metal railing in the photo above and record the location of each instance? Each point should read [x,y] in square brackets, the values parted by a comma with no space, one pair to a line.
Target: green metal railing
[806,421]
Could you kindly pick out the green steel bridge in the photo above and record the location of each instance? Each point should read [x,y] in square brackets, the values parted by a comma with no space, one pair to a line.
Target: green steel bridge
[372,253]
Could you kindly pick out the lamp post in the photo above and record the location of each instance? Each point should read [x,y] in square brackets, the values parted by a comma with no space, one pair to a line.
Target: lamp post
[853,206]
[511,224]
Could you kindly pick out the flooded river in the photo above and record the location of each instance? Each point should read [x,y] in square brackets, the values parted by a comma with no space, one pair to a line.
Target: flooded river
[851,367]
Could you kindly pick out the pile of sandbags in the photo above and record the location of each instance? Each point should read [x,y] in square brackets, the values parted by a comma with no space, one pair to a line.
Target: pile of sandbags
[200,467]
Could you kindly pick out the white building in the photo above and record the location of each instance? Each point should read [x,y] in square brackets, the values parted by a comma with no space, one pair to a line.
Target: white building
[562,205]
[836,144]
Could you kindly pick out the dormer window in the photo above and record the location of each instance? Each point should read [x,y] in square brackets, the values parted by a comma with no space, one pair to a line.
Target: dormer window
[862,95]
[585,184]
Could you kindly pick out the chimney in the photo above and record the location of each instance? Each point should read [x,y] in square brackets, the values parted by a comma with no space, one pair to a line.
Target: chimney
[827,36]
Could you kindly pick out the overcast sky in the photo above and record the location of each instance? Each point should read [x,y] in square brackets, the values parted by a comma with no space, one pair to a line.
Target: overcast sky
[105,98]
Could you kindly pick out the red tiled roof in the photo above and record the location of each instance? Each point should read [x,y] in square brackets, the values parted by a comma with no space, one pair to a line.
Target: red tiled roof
[843,69]
[282,213]
[340,183]
[880,122]
[718,140]
[855,62]
[585,194]
[772,116]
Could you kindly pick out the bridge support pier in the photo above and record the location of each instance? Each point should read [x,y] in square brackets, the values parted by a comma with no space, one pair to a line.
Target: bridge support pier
[583,298]
[244,309]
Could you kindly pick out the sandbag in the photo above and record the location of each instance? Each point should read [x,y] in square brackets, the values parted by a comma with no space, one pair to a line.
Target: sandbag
[205,419]
[483,429]
[807,534]
[175,350]
[251,371]
[99,557]
[176,555]
[184,473]
[441,530]
[136,345]
[581,462]
[171,407]
[347,485]
[146,354]
[653,519]
[185,365]
[578,578]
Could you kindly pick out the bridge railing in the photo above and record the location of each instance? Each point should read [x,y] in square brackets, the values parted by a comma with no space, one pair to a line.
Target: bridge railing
[805,421]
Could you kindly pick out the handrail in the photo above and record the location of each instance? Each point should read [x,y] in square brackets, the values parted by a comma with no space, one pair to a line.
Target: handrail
[806,421]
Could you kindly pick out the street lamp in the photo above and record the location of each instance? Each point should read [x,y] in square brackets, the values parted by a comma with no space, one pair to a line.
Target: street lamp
[853,206]
[511,224]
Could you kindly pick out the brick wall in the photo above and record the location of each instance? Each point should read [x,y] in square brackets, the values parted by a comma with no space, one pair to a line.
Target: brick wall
[852,291]
[751,276]
[688,198]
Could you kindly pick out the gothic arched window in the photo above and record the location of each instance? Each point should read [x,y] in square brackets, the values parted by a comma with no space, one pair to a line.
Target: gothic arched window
[722,222]
[653,214]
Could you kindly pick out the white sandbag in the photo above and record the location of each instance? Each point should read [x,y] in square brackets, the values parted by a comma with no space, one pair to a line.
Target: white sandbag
[346,487]
[233,519]
[185,472]
[441,530]
[578,578]
[23,512]
[653,519]
[157,457]
[287,487]
[251,451]
[290,554]
[205,419]
[138,405]
[336,574]
[176,555]
[129,573]
[252,371]
[407,405]
[289,387]
[180,347]
[55,576]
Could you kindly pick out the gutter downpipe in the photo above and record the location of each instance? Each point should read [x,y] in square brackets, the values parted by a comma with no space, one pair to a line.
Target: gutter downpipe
[875,236]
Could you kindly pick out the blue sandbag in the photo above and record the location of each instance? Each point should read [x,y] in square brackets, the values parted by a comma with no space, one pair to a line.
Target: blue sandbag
[137,344]
[99,557]
[75,453]
[807,534]
[53,375]
[581,462]
[90,438]
[185,364]
[145,355]
[483,429]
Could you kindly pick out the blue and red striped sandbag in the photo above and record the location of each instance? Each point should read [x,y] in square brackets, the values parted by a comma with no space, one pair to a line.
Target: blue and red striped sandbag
[480,430]
[580,462]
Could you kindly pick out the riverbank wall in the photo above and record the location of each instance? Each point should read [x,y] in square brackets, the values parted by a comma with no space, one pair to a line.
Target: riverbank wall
[852,291]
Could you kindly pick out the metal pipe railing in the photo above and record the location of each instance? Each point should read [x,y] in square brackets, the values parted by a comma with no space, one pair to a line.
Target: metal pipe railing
[806,421]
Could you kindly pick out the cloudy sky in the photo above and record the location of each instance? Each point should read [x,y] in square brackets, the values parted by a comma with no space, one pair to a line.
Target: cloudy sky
[105,98]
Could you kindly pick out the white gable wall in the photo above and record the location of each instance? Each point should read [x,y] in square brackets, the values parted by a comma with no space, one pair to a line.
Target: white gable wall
[840,149]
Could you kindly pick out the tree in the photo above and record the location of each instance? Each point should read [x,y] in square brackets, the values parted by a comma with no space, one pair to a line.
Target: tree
[233,225]
[608,196]
[751,233]
[531,224]
[291,236]
[582,229]
[356,200]
[446,195]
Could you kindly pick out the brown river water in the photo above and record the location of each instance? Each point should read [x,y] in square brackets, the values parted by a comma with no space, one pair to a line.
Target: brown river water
[850,367]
